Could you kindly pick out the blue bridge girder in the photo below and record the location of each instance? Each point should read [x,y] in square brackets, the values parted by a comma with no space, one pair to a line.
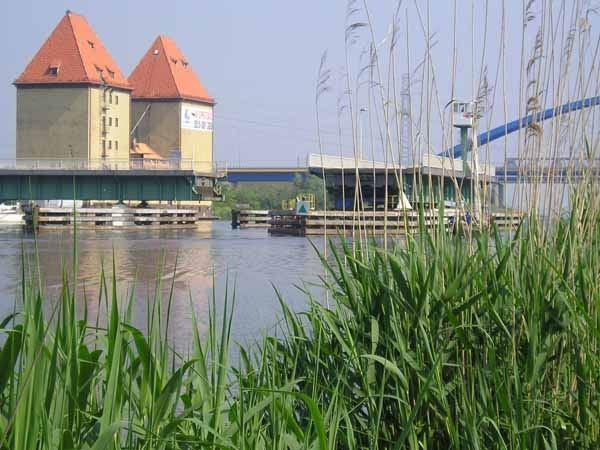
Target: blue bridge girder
[515,125]
[556,176]
[103,185]
[266,174]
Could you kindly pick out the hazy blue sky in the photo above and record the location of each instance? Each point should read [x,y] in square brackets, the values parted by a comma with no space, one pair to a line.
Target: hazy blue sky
[257,58]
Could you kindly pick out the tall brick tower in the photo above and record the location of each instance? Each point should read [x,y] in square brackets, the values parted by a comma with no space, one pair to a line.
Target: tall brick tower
[73,100]
[171,110]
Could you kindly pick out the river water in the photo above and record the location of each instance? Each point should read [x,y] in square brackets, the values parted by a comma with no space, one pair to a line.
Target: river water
[200,262]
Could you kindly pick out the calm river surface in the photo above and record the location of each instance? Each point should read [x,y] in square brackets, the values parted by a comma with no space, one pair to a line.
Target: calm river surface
[198,260]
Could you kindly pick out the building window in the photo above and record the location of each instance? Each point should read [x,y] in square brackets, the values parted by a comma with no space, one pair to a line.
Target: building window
[116,99]
[99,71]
[110,98]
[116,145]
[103,148]
[110,121]
[116,121]
[109,145]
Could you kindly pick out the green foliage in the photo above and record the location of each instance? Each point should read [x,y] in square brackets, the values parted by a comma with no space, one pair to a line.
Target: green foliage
[439,343]
[266,195]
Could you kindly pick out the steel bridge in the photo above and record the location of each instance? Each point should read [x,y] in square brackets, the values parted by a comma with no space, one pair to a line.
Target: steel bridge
[510,172]
[54,179]
[179,180]
[514,170]
[266,174]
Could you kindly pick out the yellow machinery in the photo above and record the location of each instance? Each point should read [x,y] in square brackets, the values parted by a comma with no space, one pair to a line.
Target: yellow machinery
[288,204]
[305,197]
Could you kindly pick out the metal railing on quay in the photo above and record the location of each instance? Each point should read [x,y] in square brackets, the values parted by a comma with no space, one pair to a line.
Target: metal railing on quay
[215,167]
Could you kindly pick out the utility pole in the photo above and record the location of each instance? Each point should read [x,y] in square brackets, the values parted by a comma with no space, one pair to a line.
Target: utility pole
[405,122]
[360,133]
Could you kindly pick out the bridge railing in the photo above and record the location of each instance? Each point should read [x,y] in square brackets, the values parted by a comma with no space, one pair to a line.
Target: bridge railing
[111,164]
[561,163]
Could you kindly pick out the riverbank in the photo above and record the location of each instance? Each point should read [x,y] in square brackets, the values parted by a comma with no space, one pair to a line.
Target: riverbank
[438,343]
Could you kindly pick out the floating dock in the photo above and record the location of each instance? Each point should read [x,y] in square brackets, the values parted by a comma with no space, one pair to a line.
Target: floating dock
[119,216]
[374,223]
[285,222]
[506,219]
[250,218]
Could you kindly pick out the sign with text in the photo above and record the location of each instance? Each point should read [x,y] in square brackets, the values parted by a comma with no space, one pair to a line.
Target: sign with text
[196,118]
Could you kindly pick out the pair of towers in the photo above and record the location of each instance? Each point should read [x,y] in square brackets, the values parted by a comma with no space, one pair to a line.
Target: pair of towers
[73,102]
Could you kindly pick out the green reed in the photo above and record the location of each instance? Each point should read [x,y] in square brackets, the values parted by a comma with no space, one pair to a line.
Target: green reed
[438,343]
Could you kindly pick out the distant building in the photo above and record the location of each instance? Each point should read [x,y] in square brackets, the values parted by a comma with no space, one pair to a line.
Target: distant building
[171,111]
[72,99]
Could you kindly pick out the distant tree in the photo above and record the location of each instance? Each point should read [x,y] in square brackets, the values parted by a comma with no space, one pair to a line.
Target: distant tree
[267,195]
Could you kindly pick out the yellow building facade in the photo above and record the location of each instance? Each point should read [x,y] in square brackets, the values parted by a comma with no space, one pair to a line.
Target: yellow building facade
[175,130]
[73,102]
[61,122]
[171,110]
[197,135]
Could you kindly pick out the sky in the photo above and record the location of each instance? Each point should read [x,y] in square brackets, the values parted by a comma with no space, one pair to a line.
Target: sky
[259,59]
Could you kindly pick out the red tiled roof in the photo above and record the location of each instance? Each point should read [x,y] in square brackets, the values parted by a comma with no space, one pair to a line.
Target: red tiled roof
[164,73]
[76,55]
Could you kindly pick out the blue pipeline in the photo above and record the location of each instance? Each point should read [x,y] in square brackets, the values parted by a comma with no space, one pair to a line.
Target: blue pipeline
[511,127]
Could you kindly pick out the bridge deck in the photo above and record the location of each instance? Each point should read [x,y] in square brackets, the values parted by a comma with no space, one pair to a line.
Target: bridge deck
[100,172]
[105,184]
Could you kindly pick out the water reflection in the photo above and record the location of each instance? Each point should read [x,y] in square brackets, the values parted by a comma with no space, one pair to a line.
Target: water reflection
[150,263]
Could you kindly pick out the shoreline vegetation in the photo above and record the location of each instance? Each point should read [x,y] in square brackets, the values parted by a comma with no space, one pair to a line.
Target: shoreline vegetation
[443,342]
[436,341]
[266,196]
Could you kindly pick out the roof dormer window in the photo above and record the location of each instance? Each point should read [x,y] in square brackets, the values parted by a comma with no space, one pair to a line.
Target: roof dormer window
[184,63]
[174,61]
[100,72]
[53,68]
[91,44]
[111,73]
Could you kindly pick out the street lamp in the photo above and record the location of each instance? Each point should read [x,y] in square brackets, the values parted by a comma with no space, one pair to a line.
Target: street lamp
[360,132]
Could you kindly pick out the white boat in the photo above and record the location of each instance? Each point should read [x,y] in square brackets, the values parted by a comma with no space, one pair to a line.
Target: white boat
[11,214]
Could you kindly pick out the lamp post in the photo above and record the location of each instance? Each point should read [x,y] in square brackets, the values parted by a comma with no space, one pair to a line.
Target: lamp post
[465,118]
[360,132]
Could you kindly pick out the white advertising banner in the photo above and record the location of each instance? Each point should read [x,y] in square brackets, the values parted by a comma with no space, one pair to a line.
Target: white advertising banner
[196,118]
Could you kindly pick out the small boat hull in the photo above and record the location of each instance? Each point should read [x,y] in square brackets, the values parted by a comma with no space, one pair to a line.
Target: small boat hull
[11,215]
